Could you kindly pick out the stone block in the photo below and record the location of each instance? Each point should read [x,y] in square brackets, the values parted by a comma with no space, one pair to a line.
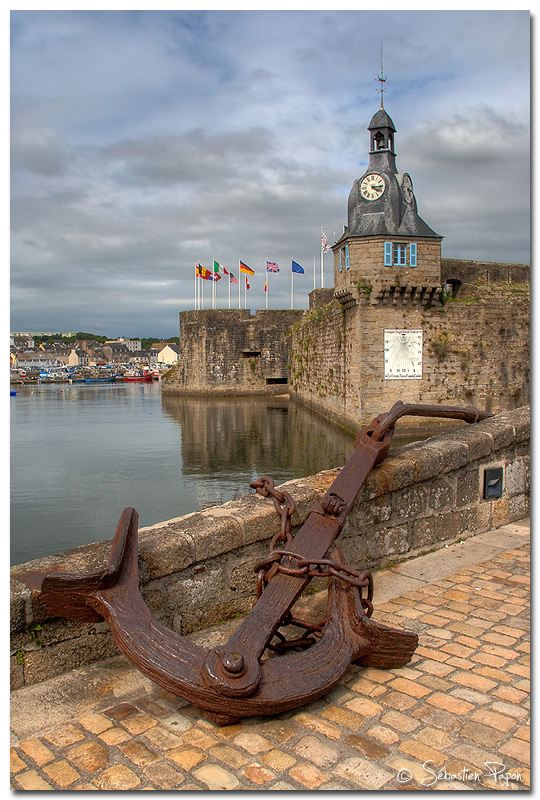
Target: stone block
[468,488]
[409,503]
[396,473]
[383,543]
[517,477]
[213,532]
[19,597]
[477,518]
[424,532]
[519,506]
[16,672]
[455,454]
[477,439]
[442,493]
[450,525]
[165,549]
[46,662]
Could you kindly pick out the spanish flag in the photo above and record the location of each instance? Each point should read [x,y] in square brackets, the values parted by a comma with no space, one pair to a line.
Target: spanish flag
[246,269]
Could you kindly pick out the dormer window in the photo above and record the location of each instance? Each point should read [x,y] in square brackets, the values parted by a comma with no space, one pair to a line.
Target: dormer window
[395,254]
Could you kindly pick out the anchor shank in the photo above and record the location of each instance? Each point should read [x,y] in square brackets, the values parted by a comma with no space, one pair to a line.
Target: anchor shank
[321,528]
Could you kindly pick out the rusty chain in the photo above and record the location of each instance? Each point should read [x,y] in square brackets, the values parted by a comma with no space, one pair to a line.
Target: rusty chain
[281,560]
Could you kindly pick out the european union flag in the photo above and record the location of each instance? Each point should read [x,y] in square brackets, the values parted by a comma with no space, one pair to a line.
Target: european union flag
[297,268]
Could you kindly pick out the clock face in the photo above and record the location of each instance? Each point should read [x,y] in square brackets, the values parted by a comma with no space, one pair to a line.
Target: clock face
[372,186]
[402,354]
[407,189]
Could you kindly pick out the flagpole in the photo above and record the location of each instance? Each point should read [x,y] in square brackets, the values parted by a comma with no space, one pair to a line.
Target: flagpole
[292,288]
[314,284]
[229,291]
[267,285]
[195,290]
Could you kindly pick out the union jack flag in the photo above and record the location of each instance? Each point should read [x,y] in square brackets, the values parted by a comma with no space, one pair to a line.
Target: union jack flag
[271,266]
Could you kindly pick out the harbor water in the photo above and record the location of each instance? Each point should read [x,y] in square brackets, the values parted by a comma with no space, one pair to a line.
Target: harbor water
[81,453]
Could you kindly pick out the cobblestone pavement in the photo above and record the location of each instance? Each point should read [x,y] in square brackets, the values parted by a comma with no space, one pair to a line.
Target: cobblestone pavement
[457,714]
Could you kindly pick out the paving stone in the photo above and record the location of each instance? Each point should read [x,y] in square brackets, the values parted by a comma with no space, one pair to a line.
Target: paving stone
[448,703]
[253,743]
[138,723]
[319,725]
[215,777]
[343,718]
[233,758]
[278,729]
[481,734]
[164,776]
[120,711]
[384,735]
[434,737]
[61,773]
[278,760]
[258,774]
[517,749]
[162,738]
[31,781]
[308,775]
[281,786]
[510,710]
[365,774]
[366,746]
[64,736]
[186,757]
[90,756]
[37,751]
[113,736]
[422,752]
[199,738]
[95,723]
[139,753]
[365,707]
[16,764]
[117,777]
[314,749]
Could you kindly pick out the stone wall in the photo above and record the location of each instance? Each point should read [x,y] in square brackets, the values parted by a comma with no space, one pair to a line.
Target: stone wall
[231,352]
[197,570]
[476,350]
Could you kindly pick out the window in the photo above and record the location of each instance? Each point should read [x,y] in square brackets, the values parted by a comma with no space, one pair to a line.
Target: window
[340,261]
[398,253]
[347,263]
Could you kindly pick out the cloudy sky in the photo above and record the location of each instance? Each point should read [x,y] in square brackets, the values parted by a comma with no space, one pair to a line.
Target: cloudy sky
[143,142]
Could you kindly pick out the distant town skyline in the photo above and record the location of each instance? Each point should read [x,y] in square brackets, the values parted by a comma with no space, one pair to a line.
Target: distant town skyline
[144,142]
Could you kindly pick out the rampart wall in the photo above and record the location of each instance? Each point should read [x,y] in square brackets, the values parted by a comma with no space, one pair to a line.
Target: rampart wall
[228,351]
[197,570]
[475,351]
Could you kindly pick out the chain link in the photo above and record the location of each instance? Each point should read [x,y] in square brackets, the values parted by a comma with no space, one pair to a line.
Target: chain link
[281,560]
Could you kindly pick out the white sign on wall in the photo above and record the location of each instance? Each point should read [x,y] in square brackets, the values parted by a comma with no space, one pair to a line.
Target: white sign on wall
[402,354]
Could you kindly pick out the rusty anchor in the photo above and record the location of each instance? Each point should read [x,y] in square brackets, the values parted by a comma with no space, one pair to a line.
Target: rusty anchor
[236,680]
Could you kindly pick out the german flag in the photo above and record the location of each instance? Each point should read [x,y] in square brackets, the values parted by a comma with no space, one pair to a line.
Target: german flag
[246,269]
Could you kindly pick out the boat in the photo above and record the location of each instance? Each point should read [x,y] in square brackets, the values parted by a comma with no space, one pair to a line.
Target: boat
[100,380]
[13,394]
[138,376]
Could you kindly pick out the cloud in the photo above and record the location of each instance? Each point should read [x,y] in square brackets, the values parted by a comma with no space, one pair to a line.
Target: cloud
[145,141]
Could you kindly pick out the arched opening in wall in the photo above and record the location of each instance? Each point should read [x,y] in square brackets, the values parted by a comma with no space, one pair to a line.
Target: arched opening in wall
[272,381]
[453,286]
[251,354]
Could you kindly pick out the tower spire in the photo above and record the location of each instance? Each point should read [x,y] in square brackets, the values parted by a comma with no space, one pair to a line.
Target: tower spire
[381,78]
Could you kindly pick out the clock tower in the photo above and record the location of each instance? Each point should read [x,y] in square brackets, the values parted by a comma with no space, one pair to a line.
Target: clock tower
[385,245]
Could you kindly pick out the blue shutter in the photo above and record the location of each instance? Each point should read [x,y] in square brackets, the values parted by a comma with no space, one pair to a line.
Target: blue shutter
[412,254]
[347,264]
[388,254]
[340,262]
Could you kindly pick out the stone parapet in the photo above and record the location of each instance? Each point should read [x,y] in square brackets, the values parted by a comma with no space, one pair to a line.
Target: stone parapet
[197,570]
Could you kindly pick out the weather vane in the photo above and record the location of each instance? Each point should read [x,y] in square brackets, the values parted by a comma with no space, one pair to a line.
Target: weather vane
[381,78]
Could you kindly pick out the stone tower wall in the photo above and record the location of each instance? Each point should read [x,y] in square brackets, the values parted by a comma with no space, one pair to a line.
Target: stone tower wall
[231,352]
[366,259]
[475,351]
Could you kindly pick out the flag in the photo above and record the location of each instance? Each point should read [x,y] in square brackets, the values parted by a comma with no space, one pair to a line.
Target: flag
[266,285]
[232,278]
[297,268]
[271,266]
[219,268]
[325,247]
[247,284]
[214,276]
[204,273]
[246,269]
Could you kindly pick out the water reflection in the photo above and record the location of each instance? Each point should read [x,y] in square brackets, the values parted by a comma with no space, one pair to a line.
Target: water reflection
[243,435]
